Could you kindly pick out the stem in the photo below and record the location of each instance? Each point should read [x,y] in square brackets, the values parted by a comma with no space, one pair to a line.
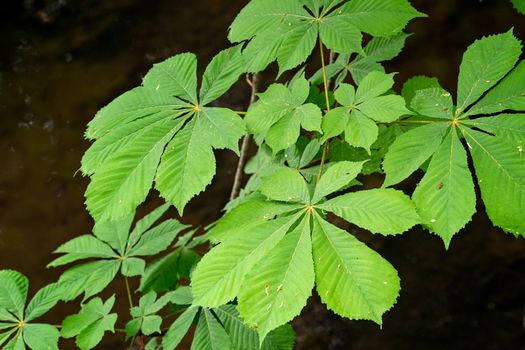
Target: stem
[241,112]
[245,144]
[325,81]
[128,291]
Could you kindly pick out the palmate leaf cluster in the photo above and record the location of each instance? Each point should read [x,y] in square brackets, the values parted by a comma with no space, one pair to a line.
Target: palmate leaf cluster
[318,136]
[490,82]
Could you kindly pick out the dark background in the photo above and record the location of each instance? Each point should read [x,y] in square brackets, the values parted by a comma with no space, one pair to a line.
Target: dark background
[60,61]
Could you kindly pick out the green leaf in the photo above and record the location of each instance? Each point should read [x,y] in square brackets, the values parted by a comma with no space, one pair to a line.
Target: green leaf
[284,133]
[146,222]
[519,6]
[352,280]
[345,95]
[209,334]
[87,245]
[41,336]
[410,150]
[339,34]
[90,324]
[380,17]
[219,275]
[500,169]
[222,72]
[120,136]
[243,337]
[13,292]
[187,166]
[115,233]
[89,278]
[484,63]
[384,108]
[125,179]
[310,116]
[5,336]
[381,49]
[221,127]
[336,177]
[287,185]
[133,267]
[296,46]
[157,239]
[384,211]
[178,329]
[334,123]
[445,197]
[128,109]
[272,105]
[417,83]
[43,301]
[360,131]
[5,315]
[263,49]
[279,114]
[373,85]
[261,15]
[508,126]
[16,343]
[433,103]
[161,274]
[182,296]
[176,75]
[508,94]
[246,216]
[276,289]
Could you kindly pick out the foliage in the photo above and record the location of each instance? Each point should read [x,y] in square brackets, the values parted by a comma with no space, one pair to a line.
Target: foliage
[317,137]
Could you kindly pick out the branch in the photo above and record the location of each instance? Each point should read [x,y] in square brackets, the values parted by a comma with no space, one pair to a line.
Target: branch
[245,143]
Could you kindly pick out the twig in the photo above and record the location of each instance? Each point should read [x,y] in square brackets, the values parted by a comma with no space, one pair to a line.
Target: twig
[245,143]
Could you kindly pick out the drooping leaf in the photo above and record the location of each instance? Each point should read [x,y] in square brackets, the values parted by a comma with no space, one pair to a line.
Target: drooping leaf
[445,197]
[220,274]
[124,180]
[246,216]
[352,280]
[384,211]
[187,166]
[276,289]
[243,337]
[209,334]
[500,169]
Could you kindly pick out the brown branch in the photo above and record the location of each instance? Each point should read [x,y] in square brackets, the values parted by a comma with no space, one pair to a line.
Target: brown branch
[237,182]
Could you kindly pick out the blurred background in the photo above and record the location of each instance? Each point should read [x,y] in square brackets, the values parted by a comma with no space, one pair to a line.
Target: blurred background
[62,60]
